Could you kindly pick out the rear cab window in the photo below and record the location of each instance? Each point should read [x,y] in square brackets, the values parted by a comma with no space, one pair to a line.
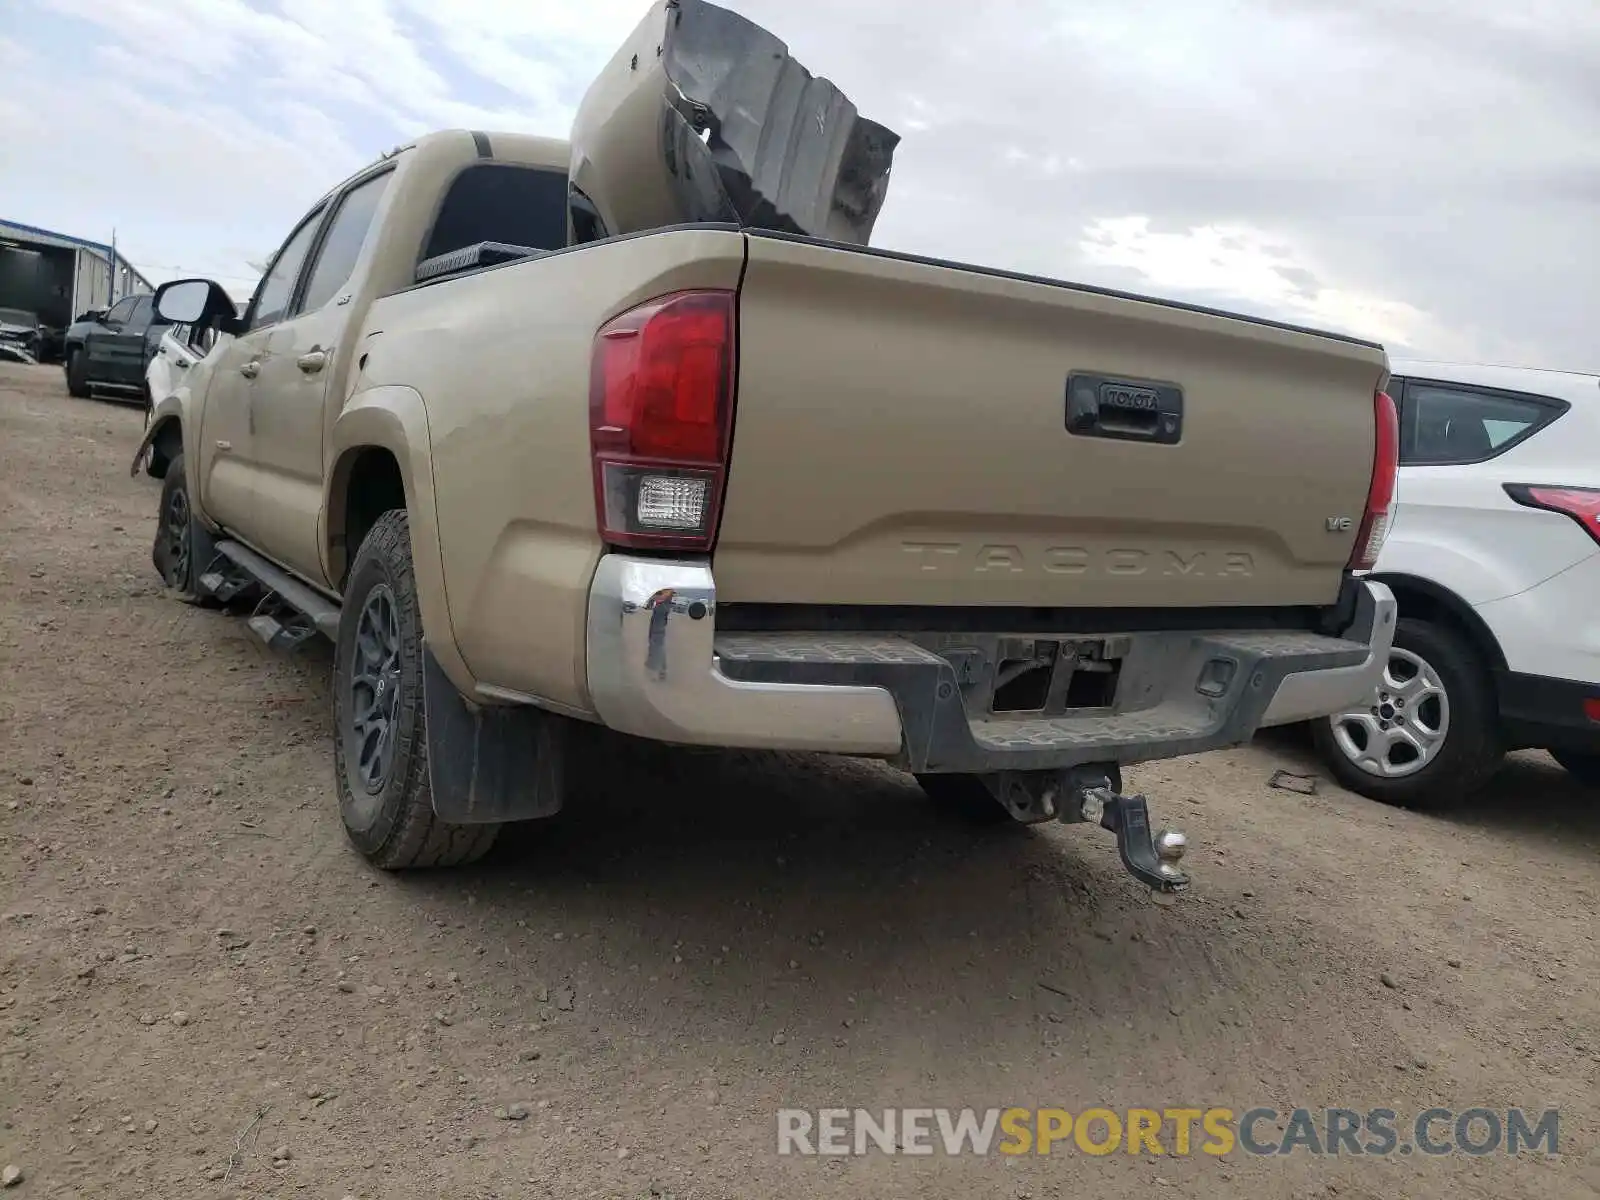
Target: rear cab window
[501,202]
[1452,423]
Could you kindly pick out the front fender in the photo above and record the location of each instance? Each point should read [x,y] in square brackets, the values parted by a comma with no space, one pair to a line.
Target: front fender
[393,417]
[171,408]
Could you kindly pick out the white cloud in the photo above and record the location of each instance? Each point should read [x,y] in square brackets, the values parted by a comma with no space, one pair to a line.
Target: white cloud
[201,129]
[1254,270]
[1423,171]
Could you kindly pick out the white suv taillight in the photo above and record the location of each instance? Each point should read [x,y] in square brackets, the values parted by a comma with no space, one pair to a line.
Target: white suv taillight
[1582,504]
[1380,492]
[661,395]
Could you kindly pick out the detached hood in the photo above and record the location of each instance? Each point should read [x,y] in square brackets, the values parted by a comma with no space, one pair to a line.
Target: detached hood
[703,116]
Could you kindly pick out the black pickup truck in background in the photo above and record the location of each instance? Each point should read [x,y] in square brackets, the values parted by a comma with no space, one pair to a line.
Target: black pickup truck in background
[109,352]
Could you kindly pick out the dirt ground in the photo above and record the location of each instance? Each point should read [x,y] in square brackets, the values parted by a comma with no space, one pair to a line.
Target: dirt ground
[196,973]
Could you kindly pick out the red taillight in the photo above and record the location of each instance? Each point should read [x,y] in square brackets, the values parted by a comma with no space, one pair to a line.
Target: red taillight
[1582,504]
[660,418]
[1380,492]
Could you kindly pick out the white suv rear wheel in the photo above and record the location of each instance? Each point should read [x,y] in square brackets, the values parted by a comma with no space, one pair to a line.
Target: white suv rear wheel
[1429,735]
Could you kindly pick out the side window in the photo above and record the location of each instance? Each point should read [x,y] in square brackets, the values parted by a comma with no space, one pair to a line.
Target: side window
[496,202]
[340,249]
[198,338]
[139,321]
[120,311]
[272,297]
[1445,423]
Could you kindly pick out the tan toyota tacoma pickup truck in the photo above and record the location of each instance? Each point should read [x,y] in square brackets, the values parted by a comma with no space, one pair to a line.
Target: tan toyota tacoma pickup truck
[635,429]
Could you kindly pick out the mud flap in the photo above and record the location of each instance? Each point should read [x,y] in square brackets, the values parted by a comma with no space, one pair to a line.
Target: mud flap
[143,447]
[490,763]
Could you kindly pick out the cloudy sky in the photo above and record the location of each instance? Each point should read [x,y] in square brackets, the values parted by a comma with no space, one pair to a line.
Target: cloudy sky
[1426,172]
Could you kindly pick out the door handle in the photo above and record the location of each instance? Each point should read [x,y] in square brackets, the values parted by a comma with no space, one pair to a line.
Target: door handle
[251,369]
[1129,410]
[312,361]
[181,363]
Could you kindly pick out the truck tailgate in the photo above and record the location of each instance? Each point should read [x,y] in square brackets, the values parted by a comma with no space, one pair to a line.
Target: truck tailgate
[901,437]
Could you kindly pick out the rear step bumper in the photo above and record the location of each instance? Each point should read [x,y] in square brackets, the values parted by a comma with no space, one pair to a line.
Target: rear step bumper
[657,668]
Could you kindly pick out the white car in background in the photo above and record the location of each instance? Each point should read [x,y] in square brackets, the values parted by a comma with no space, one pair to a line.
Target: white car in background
[181,346]
[1494,556]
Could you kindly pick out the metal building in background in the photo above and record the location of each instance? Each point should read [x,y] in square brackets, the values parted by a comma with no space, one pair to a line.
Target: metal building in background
[58,277]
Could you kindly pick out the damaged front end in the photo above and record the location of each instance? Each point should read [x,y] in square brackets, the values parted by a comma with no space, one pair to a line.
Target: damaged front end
[703,117]
[17,352]
[19,338]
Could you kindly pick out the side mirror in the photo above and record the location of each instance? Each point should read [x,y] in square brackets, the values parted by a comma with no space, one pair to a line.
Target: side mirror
[195,302]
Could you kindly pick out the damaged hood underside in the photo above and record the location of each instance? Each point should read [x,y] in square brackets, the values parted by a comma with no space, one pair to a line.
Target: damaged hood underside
[703,116]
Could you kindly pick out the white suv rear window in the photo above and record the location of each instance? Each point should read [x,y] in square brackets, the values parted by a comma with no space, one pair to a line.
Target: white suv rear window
[1453,423]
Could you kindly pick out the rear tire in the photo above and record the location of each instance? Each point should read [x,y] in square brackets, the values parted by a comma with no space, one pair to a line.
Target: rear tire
[77,370]
[1375,760]
[1585,768]
[380,737]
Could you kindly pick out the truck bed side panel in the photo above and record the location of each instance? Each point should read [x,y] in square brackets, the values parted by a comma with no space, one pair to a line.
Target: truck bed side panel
[501,359]
[901,438]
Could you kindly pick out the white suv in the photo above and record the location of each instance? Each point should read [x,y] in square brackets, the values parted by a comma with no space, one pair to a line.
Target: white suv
[1494,556]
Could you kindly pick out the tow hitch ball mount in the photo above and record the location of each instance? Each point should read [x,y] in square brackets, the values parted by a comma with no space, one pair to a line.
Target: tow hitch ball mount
[1092,794]
[1152,859]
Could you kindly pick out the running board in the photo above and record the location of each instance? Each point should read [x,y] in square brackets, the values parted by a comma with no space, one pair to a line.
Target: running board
[225,581]
[315,607]
[281,634]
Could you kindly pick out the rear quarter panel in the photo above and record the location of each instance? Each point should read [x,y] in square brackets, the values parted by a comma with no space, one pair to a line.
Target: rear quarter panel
[501,361]
[900,439]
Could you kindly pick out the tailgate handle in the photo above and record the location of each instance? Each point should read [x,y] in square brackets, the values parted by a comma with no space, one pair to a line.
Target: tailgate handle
[1128,410]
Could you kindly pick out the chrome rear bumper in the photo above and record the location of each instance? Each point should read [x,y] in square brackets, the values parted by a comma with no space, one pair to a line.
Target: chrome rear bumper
[1308,694]
[653,671]
[658,669]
